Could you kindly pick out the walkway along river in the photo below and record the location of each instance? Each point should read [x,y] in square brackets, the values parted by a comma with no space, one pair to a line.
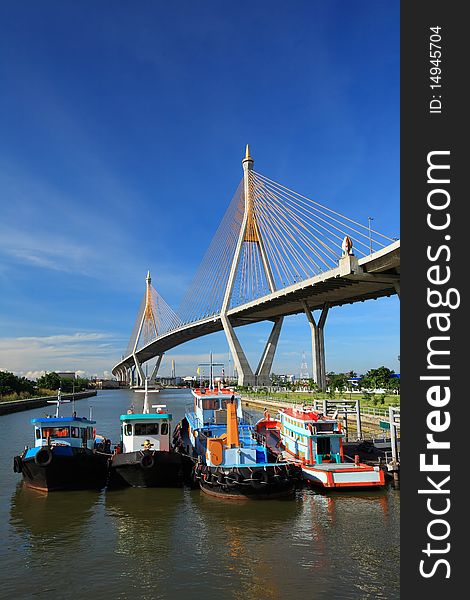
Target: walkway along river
[176,543]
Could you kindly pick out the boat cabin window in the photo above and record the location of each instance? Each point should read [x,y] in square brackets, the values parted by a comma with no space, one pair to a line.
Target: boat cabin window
[55,432]
[127,429]
[210,404]
[223,403]
[38,433]
[146,428]
[164,430]
[325,426]
[75,431]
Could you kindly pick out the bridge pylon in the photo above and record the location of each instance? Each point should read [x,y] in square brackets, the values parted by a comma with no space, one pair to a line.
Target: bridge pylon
[250,233]
[148,328]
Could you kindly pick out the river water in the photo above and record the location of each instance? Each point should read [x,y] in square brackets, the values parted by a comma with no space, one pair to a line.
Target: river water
[179,543]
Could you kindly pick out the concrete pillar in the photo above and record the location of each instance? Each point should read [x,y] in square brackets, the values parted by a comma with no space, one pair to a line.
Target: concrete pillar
[140,377]
[266,362]
[314,337]
[321,346]
[244,371]
[397,289]
[318,345]
[155,369]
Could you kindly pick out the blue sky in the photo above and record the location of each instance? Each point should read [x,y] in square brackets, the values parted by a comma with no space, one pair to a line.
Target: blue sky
[122,128]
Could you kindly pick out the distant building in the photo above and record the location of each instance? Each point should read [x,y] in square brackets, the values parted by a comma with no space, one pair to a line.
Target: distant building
[106,384]
[66,374]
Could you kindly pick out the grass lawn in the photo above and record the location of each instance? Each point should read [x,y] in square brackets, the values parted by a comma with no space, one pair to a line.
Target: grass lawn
[377,400]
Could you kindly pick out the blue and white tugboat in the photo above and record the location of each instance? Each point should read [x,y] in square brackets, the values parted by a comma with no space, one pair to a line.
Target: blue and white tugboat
[144,457]
[232,460]
[64,455]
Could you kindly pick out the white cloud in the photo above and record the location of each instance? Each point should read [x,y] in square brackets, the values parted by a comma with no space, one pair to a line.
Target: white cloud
[82,352]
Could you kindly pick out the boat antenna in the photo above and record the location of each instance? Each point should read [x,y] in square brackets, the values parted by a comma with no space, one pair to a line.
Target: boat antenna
[90,418]
[211,364]
[212,373]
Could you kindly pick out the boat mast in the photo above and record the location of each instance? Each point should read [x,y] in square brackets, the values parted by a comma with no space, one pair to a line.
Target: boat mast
[57,402]
[146,391]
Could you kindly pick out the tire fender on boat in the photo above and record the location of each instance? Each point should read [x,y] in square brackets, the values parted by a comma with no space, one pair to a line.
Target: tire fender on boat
[17,464]
[147,461]
[43,458]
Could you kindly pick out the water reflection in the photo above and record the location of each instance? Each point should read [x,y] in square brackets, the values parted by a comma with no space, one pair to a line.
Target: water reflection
[353,535]
[144,520]
[240,539]
[58,516]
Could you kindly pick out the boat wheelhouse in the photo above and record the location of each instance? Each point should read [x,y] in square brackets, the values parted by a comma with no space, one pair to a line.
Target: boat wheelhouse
[144,457]
[316,442]
[208,415]
[311,437]
[136,429]
[64,455]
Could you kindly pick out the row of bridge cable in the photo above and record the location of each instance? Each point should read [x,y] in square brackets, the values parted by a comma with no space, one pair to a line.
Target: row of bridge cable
[289,238]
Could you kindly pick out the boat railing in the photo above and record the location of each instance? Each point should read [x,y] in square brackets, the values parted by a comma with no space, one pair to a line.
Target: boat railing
[259,437]
[389,457]
[249,417]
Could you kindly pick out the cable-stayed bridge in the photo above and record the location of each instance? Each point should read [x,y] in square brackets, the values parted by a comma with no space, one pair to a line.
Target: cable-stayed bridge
[275,253]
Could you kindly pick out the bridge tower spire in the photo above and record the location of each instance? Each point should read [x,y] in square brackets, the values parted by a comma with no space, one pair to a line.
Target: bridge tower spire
[147,321]
[249,233]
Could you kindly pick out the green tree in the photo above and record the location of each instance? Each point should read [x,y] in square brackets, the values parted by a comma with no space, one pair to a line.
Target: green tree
[377,378]
[337,381]
[49,381]
[12,384]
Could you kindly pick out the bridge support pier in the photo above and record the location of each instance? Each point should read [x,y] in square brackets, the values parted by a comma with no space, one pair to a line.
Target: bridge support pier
[266,362]
[155,369]
[318,345]
[140,377]
[245,373]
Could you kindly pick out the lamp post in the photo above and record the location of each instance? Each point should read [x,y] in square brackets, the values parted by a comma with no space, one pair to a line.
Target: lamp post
[370,233]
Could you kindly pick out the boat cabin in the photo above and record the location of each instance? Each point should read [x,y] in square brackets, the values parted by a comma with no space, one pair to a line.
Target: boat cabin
[311,437]
[210,406]
[137,428]
[235,447]
[77,432]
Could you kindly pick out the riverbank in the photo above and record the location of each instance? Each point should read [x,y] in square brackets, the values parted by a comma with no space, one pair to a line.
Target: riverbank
[29,403]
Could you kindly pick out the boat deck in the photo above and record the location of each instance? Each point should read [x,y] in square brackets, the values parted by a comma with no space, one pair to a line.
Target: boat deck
[335,467]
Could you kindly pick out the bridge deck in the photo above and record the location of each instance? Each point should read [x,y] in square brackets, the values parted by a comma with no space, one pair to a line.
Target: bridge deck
[376,277]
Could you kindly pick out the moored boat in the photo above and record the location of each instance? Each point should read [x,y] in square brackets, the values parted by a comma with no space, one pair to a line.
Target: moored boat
[64,455]
[144,457]
[315,443]
[232,460]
